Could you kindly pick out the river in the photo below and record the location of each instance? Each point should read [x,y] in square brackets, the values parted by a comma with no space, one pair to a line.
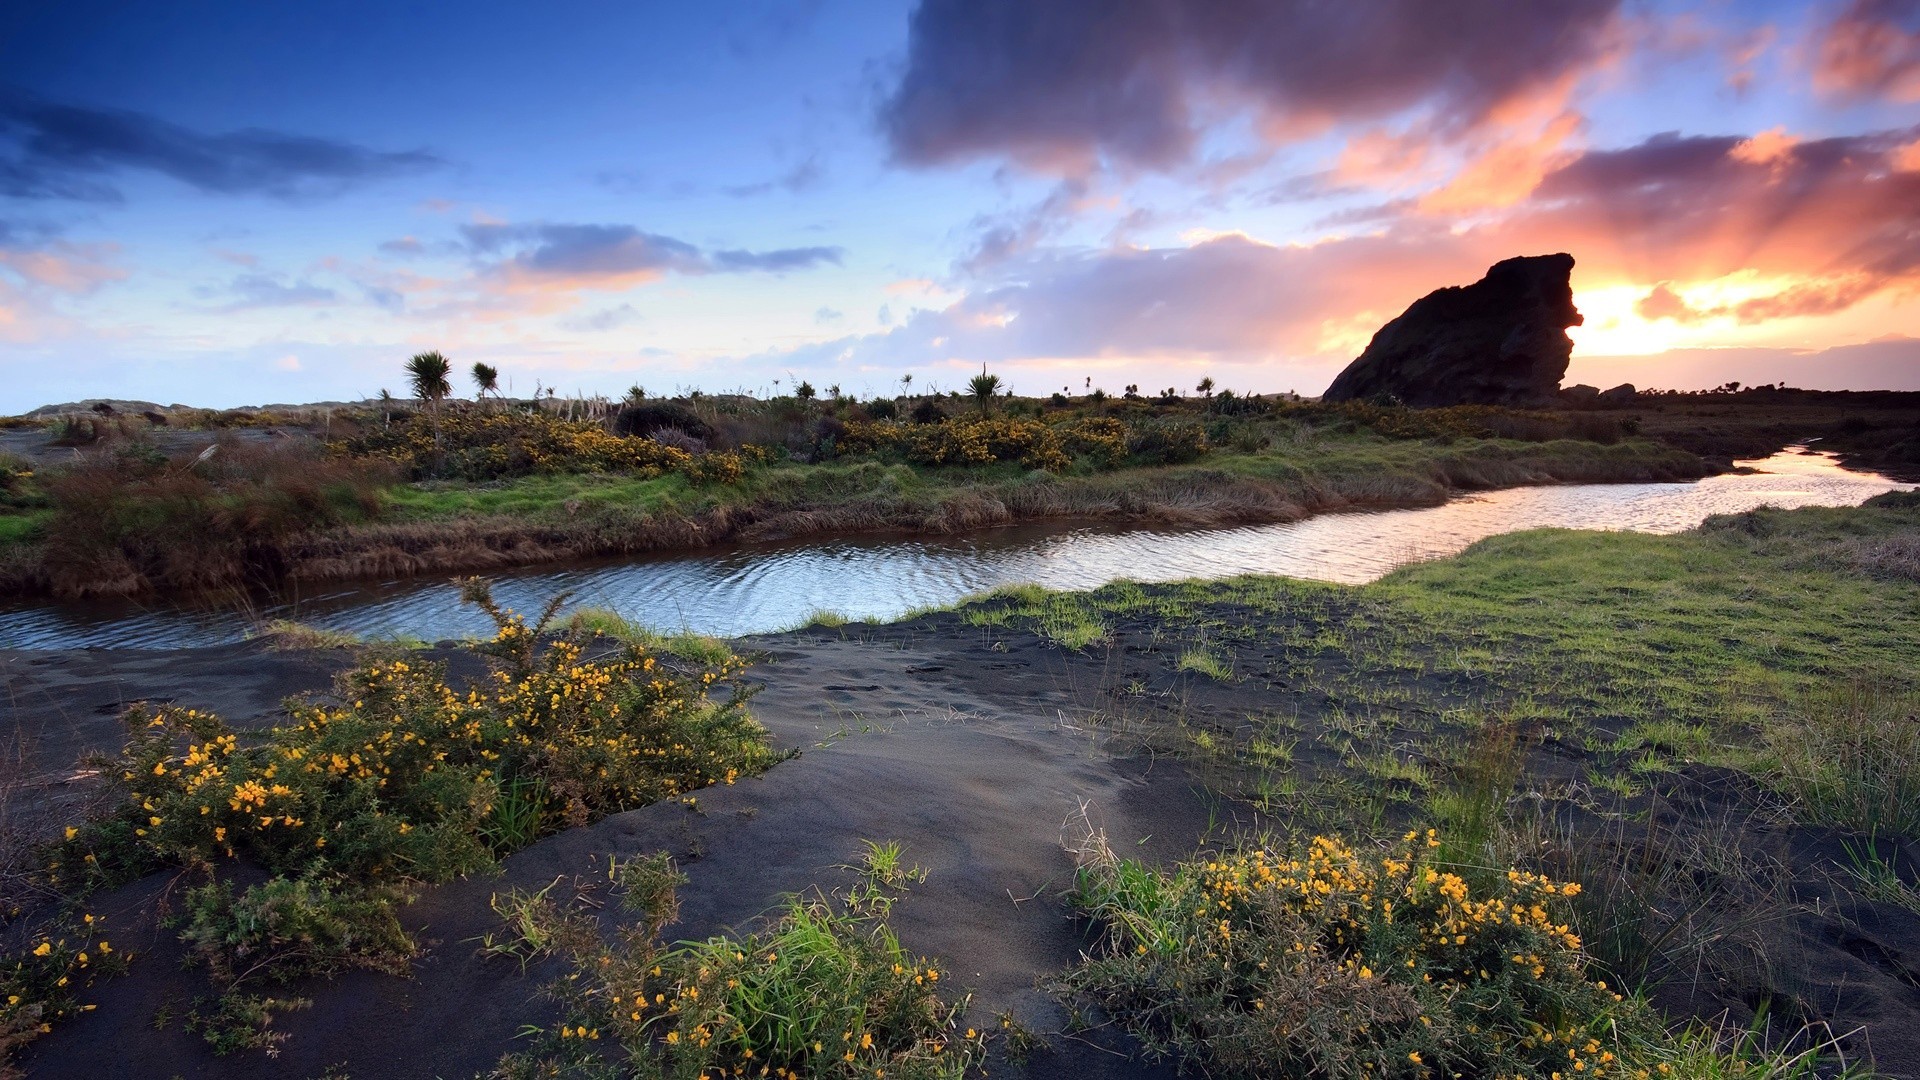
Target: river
[761,587]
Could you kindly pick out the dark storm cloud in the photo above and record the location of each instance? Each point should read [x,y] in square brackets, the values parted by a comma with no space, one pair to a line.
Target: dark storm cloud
[611,254]
[1059,84]
[55,151]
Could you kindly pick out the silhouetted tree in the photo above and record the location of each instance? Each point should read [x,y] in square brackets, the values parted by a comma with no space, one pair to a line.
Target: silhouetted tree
[1206,386]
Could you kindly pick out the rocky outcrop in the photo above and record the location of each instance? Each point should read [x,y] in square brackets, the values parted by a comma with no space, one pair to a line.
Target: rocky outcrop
[1500,341]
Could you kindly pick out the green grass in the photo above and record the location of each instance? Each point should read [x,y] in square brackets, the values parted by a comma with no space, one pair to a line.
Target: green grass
[604,622]
[23,526]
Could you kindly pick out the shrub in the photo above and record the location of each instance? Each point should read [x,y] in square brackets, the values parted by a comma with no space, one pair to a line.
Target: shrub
[292,927]
[134,521]
[41,978]
[1101,441]
[1169,443]
[403,781]
[1328,962]
[645,420]
[499,445]
[823,990]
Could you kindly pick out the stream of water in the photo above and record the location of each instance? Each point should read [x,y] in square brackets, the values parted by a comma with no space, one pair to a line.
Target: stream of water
[761,587]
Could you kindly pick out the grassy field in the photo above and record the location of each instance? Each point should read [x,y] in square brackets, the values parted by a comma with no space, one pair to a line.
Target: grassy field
[1682,725]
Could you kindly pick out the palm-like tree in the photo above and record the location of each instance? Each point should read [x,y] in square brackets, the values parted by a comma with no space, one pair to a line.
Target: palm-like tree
[983,387]
[487,378]
[428,373]
[1206,386]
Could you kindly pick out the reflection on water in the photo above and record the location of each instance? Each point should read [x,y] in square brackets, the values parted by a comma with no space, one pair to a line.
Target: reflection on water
[757,588]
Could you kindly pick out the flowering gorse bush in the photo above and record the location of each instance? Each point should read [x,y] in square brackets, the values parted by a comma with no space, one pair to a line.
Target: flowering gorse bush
[498,445]
[1330,962]
[1101,442]
[406,780]
[823,990]
[40,981]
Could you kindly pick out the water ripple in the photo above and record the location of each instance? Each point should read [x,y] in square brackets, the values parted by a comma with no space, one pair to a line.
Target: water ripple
[756,588]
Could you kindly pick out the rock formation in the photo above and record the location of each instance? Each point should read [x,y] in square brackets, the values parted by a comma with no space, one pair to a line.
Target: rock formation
[1500,341]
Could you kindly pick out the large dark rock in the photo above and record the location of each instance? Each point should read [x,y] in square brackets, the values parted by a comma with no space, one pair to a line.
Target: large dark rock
[1499,341]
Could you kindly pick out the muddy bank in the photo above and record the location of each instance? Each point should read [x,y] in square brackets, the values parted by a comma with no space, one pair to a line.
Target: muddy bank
[899,744]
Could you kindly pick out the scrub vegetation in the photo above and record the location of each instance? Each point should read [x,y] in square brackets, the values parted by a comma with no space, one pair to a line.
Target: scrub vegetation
[1569,804]
[822,988]
[383,490]
[350,808]
[1686,730]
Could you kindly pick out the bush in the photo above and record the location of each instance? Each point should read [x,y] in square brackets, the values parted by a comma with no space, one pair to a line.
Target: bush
[1328,962]
[400,782]
[1169,443]
[1101,441]
[138,520]
[644,420]
[499,445]
[404,781]
[294,927]
[823,990]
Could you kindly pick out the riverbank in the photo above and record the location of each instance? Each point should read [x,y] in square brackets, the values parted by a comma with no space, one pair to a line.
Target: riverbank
[447,528]
[1705,730]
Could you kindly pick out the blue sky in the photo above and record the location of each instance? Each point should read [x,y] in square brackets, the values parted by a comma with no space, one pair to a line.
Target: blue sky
[223,203]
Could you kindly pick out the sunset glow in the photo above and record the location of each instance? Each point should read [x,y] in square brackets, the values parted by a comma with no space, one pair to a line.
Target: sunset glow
[686,198]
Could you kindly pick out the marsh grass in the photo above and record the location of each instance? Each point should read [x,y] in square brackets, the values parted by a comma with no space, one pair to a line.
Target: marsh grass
[286,635]
[1849,753]
[590,622]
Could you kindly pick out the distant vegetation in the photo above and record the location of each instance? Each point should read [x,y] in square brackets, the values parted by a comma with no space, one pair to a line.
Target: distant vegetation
[436,484]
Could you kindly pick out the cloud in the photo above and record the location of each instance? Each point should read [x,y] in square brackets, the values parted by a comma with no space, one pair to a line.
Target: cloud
[606,319]
[56,151]
[265,291]
[545,255]
[1694,207]
[1062,86]
[805,176]
[61,267]
[827,315]
[1871,49]
[1749,229]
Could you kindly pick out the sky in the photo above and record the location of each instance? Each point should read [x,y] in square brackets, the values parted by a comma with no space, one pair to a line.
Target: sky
[224,203]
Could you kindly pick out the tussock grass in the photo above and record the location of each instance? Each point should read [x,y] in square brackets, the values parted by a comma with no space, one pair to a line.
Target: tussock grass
[286,635]
[1849,753]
